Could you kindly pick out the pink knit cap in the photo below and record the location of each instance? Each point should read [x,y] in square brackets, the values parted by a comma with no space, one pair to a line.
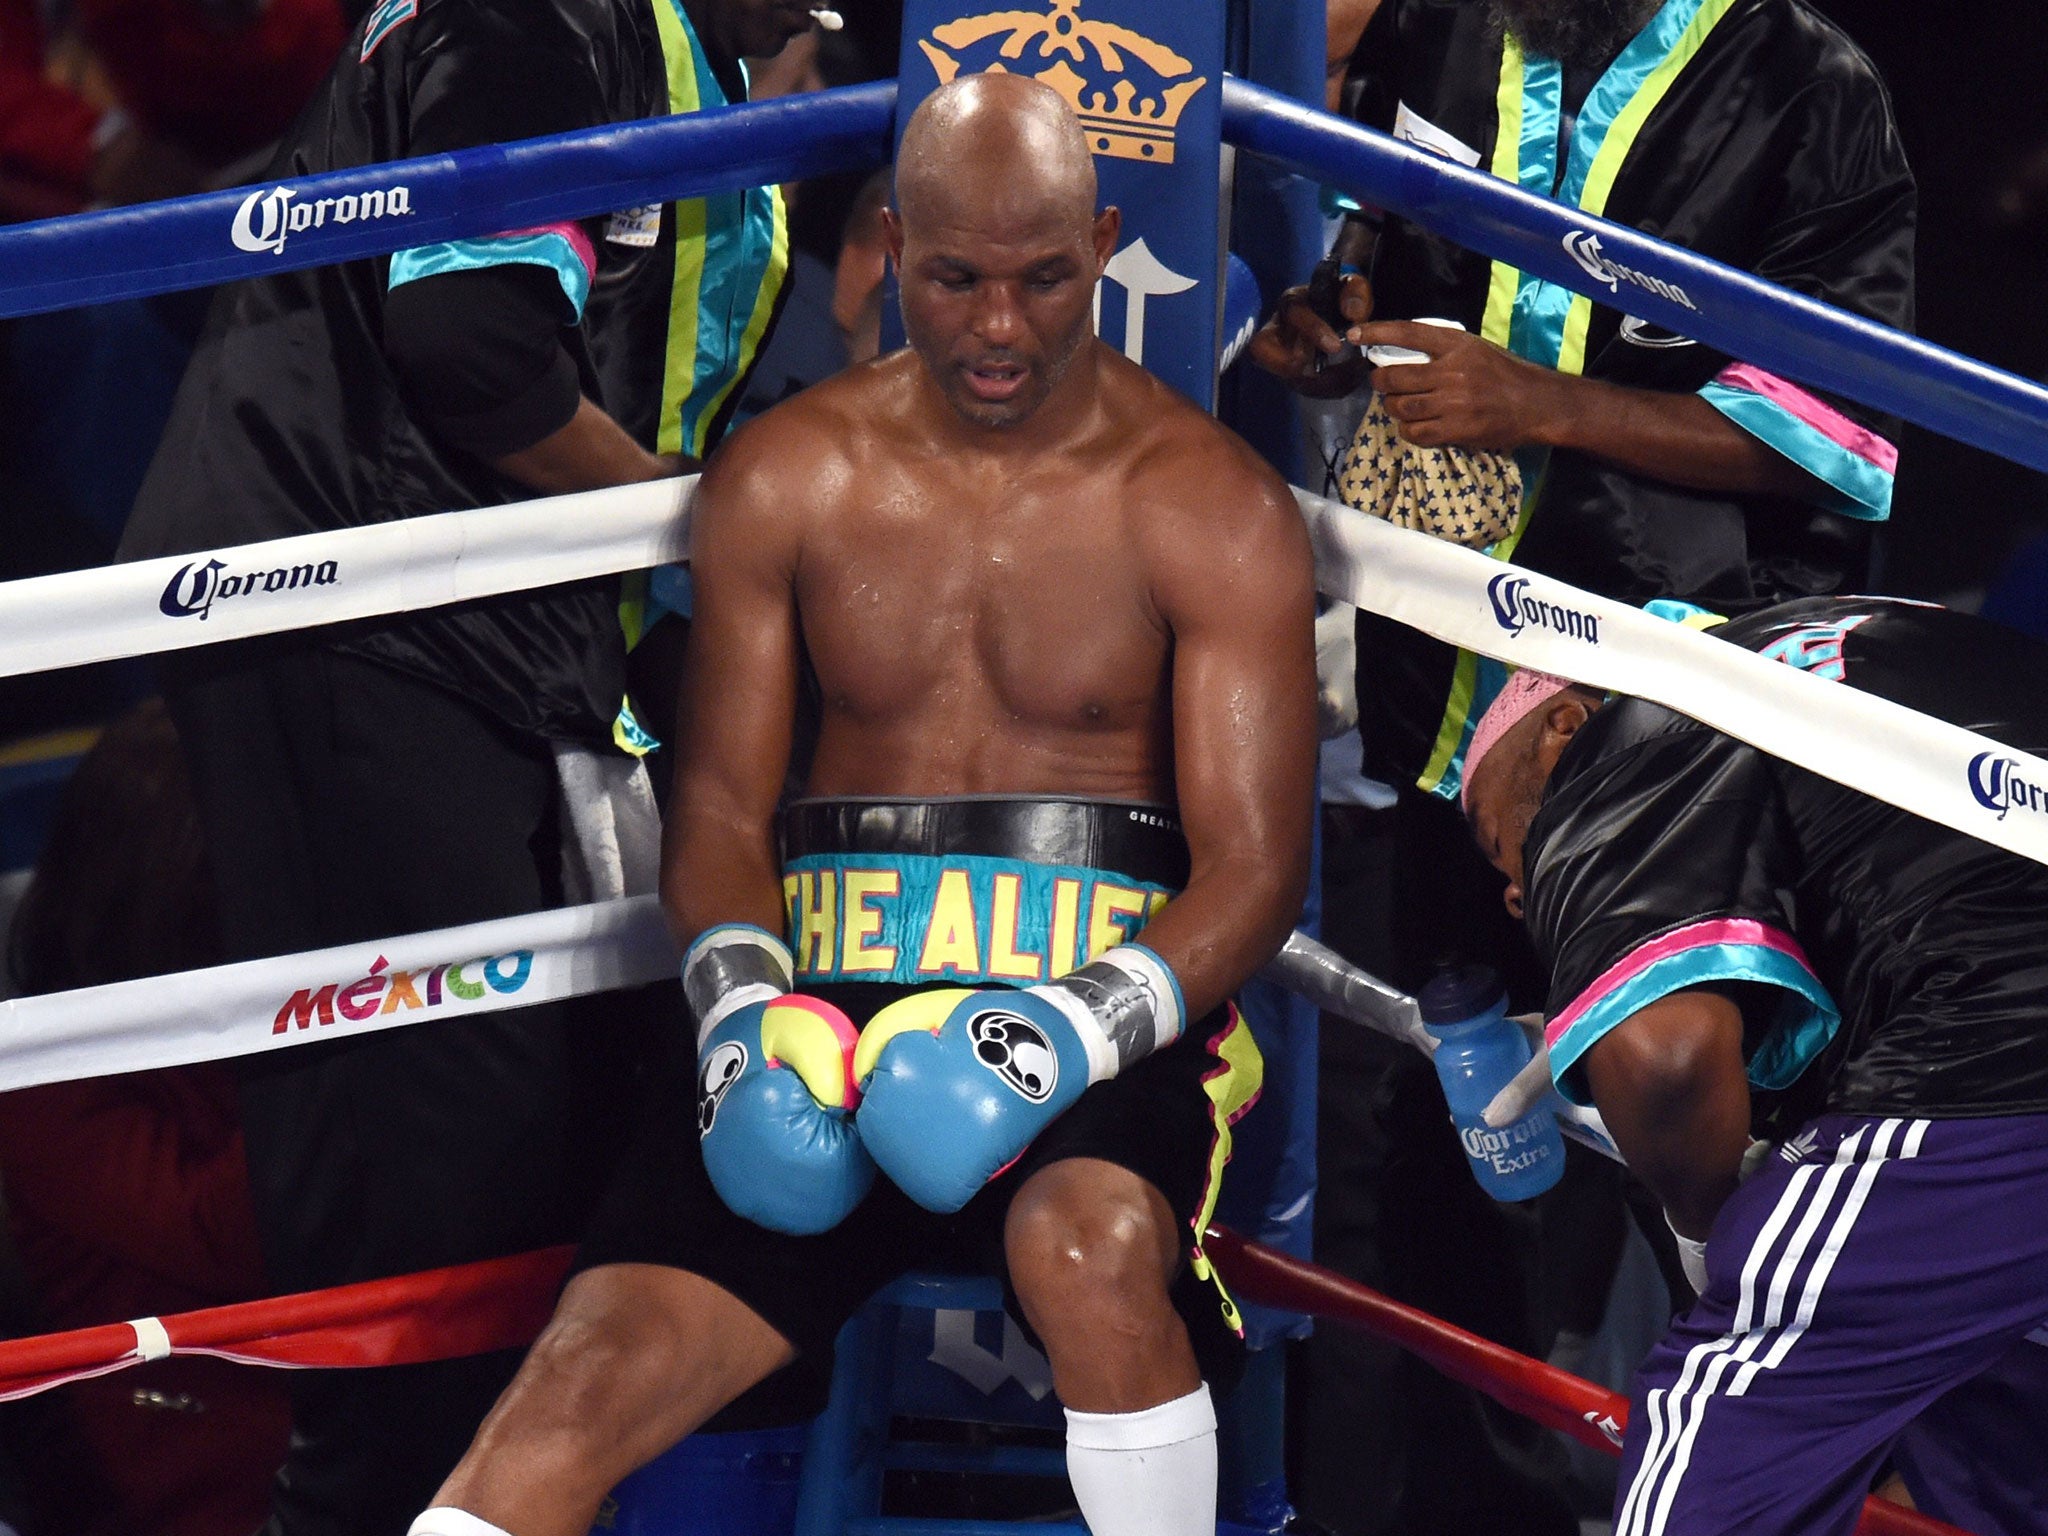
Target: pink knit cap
[1527,690]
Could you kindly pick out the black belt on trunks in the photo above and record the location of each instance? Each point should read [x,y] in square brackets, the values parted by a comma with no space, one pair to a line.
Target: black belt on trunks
[1141,841]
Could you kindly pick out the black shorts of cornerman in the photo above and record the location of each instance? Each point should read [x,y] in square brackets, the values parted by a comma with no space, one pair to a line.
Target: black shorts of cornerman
[1167,1119]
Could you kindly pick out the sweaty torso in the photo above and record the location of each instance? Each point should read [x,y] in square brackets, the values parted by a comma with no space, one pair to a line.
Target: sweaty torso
[986,625]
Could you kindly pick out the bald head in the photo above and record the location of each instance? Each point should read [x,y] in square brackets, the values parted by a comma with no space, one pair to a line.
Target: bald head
[995,152]
[998,247]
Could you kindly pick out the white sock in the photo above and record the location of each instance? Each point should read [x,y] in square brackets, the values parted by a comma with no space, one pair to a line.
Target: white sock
[449,1521]
[1149,1473]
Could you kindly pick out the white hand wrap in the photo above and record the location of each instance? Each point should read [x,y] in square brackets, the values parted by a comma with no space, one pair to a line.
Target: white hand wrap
[1125,1005]
[731,966]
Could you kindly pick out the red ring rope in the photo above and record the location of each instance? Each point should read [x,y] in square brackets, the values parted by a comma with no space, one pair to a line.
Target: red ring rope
[470,1309]
[1531,1388]
[438,1314]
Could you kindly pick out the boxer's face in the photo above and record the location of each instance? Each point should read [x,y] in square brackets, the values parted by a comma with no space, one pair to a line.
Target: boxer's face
[998,296]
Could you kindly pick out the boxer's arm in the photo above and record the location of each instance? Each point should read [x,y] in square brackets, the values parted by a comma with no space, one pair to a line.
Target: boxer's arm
[1669,1081]
[1234,580]
[775,1086]
[738,702]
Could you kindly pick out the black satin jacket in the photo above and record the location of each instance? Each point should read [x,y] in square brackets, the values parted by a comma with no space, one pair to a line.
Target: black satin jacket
[1668,855]
[290,419]
[1774,151]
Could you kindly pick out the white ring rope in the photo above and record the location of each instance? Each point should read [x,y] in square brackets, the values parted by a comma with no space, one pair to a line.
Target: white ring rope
[1948,774]
[295,583]
[1458,595]
[266,1005]
[507,962]
[1895,754]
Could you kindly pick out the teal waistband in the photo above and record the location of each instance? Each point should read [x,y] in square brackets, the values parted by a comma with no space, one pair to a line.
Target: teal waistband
[911,918]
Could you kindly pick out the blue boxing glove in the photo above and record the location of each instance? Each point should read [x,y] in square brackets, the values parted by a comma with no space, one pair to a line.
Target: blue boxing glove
[956,1084]
[775,1087]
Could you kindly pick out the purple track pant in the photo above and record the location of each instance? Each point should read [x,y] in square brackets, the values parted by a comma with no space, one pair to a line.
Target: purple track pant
[1873,1266]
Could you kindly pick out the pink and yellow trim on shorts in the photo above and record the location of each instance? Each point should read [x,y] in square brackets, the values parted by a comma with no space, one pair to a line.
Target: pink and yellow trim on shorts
[1233,1086]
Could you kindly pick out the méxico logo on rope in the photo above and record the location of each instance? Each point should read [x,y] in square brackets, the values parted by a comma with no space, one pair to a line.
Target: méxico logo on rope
[1516,609]
[387,991]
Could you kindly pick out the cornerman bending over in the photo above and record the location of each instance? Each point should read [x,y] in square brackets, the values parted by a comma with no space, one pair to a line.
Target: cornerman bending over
[1058,625]
[1717,921]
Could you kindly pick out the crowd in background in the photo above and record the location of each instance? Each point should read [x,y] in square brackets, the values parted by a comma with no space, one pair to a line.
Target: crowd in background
[106,102]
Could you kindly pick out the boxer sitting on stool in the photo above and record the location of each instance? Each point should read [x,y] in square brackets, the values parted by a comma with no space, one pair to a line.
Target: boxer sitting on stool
[1054,616]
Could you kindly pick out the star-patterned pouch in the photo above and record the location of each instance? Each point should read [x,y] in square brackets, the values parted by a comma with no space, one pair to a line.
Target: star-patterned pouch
[1463,495]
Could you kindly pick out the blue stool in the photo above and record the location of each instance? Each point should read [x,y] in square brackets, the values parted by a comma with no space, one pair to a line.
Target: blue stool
[881,1369]
[972,1366]
[738,1484]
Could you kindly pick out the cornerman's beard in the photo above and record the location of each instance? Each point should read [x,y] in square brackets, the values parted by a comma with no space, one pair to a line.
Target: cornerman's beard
[1576,32]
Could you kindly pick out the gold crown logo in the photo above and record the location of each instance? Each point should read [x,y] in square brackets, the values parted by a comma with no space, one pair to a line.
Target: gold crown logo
[1121,121]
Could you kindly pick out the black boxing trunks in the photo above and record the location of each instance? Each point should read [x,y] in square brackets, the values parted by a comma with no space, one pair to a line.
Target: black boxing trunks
[889,897]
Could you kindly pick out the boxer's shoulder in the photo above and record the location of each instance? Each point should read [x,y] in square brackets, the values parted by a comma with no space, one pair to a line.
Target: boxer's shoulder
[1199,499]
[1192,478]
[1164,438]
[796,453]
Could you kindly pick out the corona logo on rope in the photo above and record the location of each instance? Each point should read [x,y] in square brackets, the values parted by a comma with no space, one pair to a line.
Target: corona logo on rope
[1996,784]
[1584,248]
[269,215]
[1515,610]
[1125,118]
[197,585]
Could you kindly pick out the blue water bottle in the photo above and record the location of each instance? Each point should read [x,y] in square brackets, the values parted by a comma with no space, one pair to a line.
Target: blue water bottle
[1478,1049]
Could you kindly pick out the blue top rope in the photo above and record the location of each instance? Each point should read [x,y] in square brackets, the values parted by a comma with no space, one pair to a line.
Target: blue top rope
[189,242]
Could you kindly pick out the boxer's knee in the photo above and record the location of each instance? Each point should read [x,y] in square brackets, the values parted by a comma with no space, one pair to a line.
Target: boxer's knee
[1092,1250]
[634,1358]
[583,1371]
